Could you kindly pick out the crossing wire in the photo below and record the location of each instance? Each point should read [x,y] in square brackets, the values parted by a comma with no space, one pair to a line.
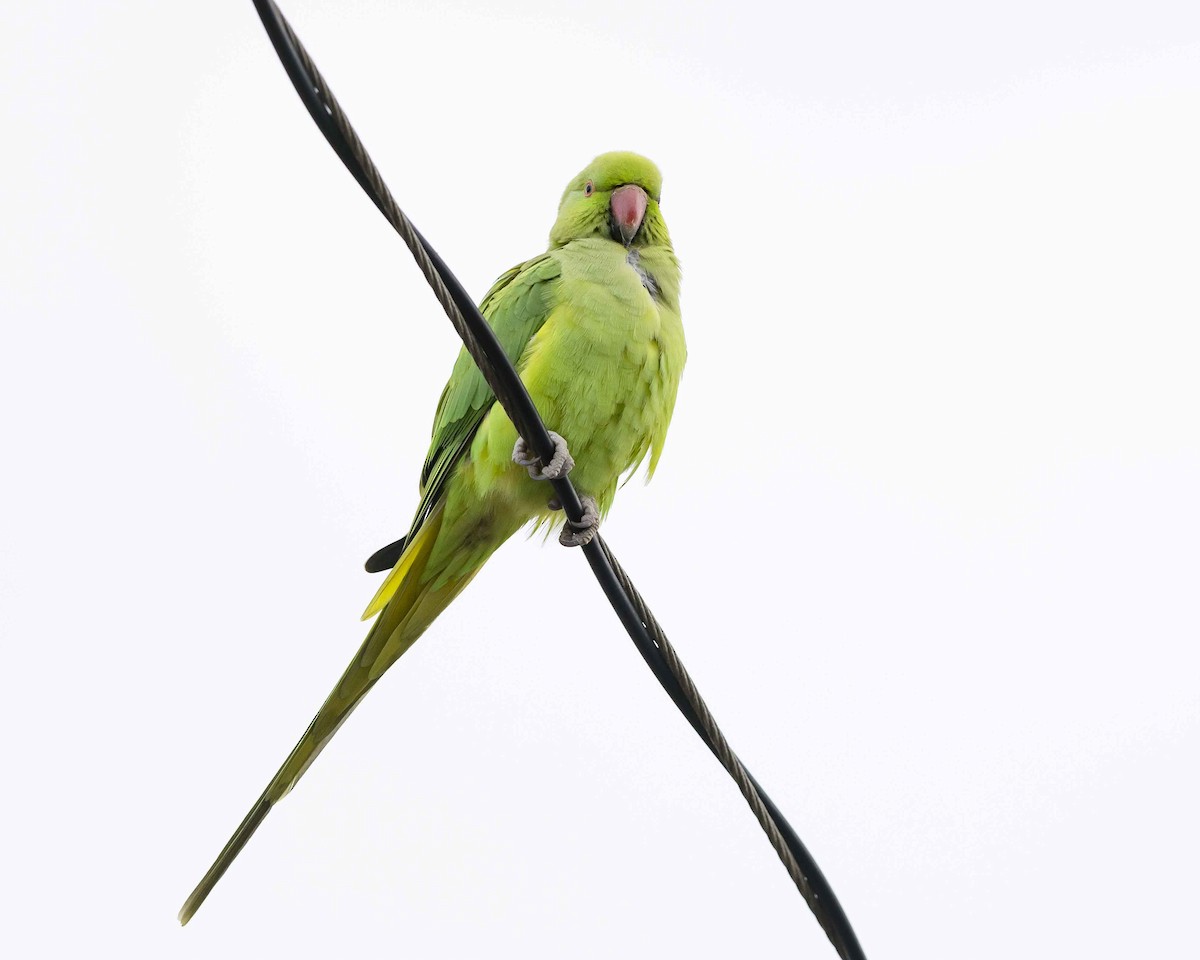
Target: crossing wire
[481,343]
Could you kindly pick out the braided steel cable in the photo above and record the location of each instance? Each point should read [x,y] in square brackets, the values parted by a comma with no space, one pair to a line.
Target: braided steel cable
[716,739]
[502,378]
[671,673]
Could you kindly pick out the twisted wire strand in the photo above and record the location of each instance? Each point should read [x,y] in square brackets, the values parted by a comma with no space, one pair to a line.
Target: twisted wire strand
[478,339]
[719,744]
[488,355]
[391,210]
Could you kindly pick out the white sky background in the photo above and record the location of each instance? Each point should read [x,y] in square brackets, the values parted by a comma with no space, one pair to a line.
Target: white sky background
[925,531]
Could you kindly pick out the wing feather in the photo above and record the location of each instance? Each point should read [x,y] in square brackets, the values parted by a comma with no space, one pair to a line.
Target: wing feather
[516,307]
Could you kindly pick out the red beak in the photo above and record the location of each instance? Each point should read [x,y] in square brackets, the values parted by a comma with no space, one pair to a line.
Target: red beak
[628,206]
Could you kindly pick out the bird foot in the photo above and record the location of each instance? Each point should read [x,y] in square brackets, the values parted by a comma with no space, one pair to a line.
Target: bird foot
[580,534]
[559,466]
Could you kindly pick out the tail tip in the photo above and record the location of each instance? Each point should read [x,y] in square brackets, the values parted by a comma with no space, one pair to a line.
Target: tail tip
[225,858]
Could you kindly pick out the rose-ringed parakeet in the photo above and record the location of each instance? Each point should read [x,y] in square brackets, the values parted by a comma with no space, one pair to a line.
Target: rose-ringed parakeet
[593,327]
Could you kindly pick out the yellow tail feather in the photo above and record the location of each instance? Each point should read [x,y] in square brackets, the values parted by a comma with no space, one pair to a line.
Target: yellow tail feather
[417,547]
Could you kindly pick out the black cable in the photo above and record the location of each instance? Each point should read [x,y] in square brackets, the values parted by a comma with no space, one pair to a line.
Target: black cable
[511,393]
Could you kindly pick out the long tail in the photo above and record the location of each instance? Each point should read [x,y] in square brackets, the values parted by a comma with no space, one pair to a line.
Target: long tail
[412,596]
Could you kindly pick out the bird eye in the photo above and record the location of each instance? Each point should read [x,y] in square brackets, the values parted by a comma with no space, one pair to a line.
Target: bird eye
[589,189]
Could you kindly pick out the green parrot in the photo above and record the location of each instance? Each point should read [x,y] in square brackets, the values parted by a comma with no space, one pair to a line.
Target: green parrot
[594,329]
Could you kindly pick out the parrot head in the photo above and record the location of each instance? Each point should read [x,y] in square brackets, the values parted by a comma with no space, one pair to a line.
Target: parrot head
[616,196]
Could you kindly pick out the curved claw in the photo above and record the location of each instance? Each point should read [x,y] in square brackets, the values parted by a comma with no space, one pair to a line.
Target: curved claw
[581,534]
[559,466]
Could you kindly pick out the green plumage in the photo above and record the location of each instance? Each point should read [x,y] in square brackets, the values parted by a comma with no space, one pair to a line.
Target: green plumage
[593,326]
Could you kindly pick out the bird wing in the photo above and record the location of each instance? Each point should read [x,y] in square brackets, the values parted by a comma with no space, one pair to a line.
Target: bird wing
[516,307]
